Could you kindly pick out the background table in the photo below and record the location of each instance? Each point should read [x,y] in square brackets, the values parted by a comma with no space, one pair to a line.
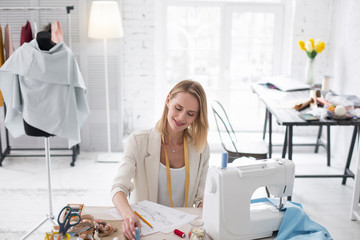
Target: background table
[289,118]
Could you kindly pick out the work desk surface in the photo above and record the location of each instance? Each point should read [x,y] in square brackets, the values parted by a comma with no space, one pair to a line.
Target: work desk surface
[278,103]
[100,213]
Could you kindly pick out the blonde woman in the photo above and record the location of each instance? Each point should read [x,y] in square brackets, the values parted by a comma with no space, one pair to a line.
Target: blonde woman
[177,145]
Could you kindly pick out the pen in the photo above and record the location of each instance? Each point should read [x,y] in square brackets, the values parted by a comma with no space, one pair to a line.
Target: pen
[143,219]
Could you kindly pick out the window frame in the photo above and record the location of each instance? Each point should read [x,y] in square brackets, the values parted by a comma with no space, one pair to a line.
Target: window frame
[281,35]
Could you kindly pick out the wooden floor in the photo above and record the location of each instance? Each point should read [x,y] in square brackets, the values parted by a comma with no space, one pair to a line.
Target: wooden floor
[24,199]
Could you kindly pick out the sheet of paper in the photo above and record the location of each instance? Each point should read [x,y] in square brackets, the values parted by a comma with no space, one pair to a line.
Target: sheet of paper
[115,213]
[162,218]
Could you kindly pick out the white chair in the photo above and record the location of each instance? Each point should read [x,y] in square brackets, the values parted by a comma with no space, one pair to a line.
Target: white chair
[235,147]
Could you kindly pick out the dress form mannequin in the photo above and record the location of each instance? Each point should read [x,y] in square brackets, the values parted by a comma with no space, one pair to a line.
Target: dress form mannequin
[35,132]
[44,41]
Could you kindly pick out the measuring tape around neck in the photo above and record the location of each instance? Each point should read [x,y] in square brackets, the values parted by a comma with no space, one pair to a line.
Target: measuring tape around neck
[168,174]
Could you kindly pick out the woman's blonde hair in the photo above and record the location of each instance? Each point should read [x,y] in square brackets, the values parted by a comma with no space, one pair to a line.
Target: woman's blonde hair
[198,129]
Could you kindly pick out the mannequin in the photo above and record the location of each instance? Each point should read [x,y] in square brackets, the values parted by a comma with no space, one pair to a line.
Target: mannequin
[44,41]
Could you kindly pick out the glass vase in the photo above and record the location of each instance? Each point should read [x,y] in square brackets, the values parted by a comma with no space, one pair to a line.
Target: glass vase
[309,71]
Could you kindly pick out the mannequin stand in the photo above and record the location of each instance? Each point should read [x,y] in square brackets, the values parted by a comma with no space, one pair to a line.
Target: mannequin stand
[50,216]
[32,131]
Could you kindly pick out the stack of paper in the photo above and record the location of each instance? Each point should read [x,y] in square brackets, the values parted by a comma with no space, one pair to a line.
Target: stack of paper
[286,83]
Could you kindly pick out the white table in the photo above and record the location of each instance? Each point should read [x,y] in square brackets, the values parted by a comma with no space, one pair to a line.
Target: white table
[100,213]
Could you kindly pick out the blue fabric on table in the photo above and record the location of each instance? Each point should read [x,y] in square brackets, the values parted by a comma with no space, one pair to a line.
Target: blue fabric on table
[296,224]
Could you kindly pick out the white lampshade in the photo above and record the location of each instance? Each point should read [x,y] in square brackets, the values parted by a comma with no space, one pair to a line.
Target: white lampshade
[105,20]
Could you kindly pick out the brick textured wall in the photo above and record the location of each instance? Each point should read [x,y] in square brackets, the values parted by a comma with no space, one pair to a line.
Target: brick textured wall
[138,63]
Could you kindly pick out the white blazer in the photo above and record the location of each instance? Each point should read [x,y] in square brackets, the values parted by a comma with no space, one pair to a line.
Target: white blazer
[138,171]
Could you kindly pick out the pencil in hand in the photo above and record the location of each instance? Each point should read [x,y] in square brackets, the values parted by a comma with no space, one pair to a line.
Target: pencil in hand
[143,219]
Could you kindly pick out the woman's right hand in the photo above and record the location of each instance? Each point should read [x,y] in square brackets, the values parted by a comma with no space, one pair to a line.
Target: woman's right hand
[128,226]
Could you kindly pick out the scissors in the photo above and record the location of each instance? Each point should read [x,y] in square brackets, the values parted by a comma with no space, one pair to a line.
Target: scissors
[66,223]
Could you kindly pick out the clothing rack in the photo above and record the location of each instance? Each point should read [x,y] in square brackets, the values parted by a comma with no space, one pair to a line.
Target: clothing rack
[75,150]
[67,8]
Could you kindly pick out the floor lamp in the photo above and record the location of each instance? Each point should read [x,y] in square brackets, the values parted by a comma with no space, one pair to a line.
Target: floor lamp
[105,23]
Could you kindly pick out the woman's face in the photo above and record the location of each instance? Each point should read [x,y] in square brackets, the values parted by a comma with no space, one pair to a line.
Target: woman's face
[183,110]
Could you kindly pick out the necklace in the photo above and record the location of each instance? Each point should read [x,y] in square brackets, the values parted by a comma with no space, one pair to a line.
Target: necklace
[171,147]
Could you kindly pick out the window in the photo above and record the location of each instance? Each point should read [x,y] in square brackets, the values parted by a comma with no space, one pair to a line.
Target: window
[225,45]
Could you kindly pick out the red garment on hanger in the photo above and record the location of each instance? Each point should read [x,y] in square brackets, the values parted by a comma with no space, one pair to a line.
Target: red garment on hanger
[26,33]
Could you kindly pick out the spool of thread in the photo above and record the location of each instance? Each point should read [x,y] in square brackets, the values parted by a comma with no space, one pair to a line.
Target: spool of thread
[224,160]
[179,233]
[325,83]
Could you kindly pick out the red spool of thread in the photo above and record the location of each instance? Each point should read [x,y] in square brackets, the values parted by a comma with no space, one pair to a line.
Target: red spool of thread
[179,233]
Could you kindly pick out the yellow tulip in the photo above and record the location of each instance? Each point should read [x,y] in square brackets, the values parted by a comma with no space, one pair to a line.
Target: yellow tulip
[317,42]
[302,45]
[308,46]
[312,42]
[321,47]
[312,48]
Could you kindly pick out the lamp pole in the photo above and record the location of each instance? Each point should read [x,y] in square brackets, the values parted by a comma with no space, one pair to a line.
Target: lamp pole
[105,23]
[107,97]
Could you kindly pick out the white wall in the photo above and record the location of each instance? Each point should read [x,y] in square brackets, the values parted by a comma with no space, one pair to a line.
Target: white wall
[312,19]
[139,91]
[345,64]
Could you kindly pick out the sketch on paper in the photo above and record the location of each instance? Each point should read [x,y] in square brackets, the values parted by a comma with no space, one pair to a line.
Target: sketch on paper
[162,218]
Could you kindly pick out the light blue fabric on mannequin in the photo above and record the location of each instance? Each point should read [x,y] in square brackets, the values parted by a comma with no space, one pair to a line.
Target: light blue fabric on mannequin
[51,85]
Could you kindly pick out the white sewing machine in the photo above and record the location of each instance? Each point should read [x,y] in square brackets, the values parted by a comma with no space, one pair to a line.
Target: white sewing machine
[227,212]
